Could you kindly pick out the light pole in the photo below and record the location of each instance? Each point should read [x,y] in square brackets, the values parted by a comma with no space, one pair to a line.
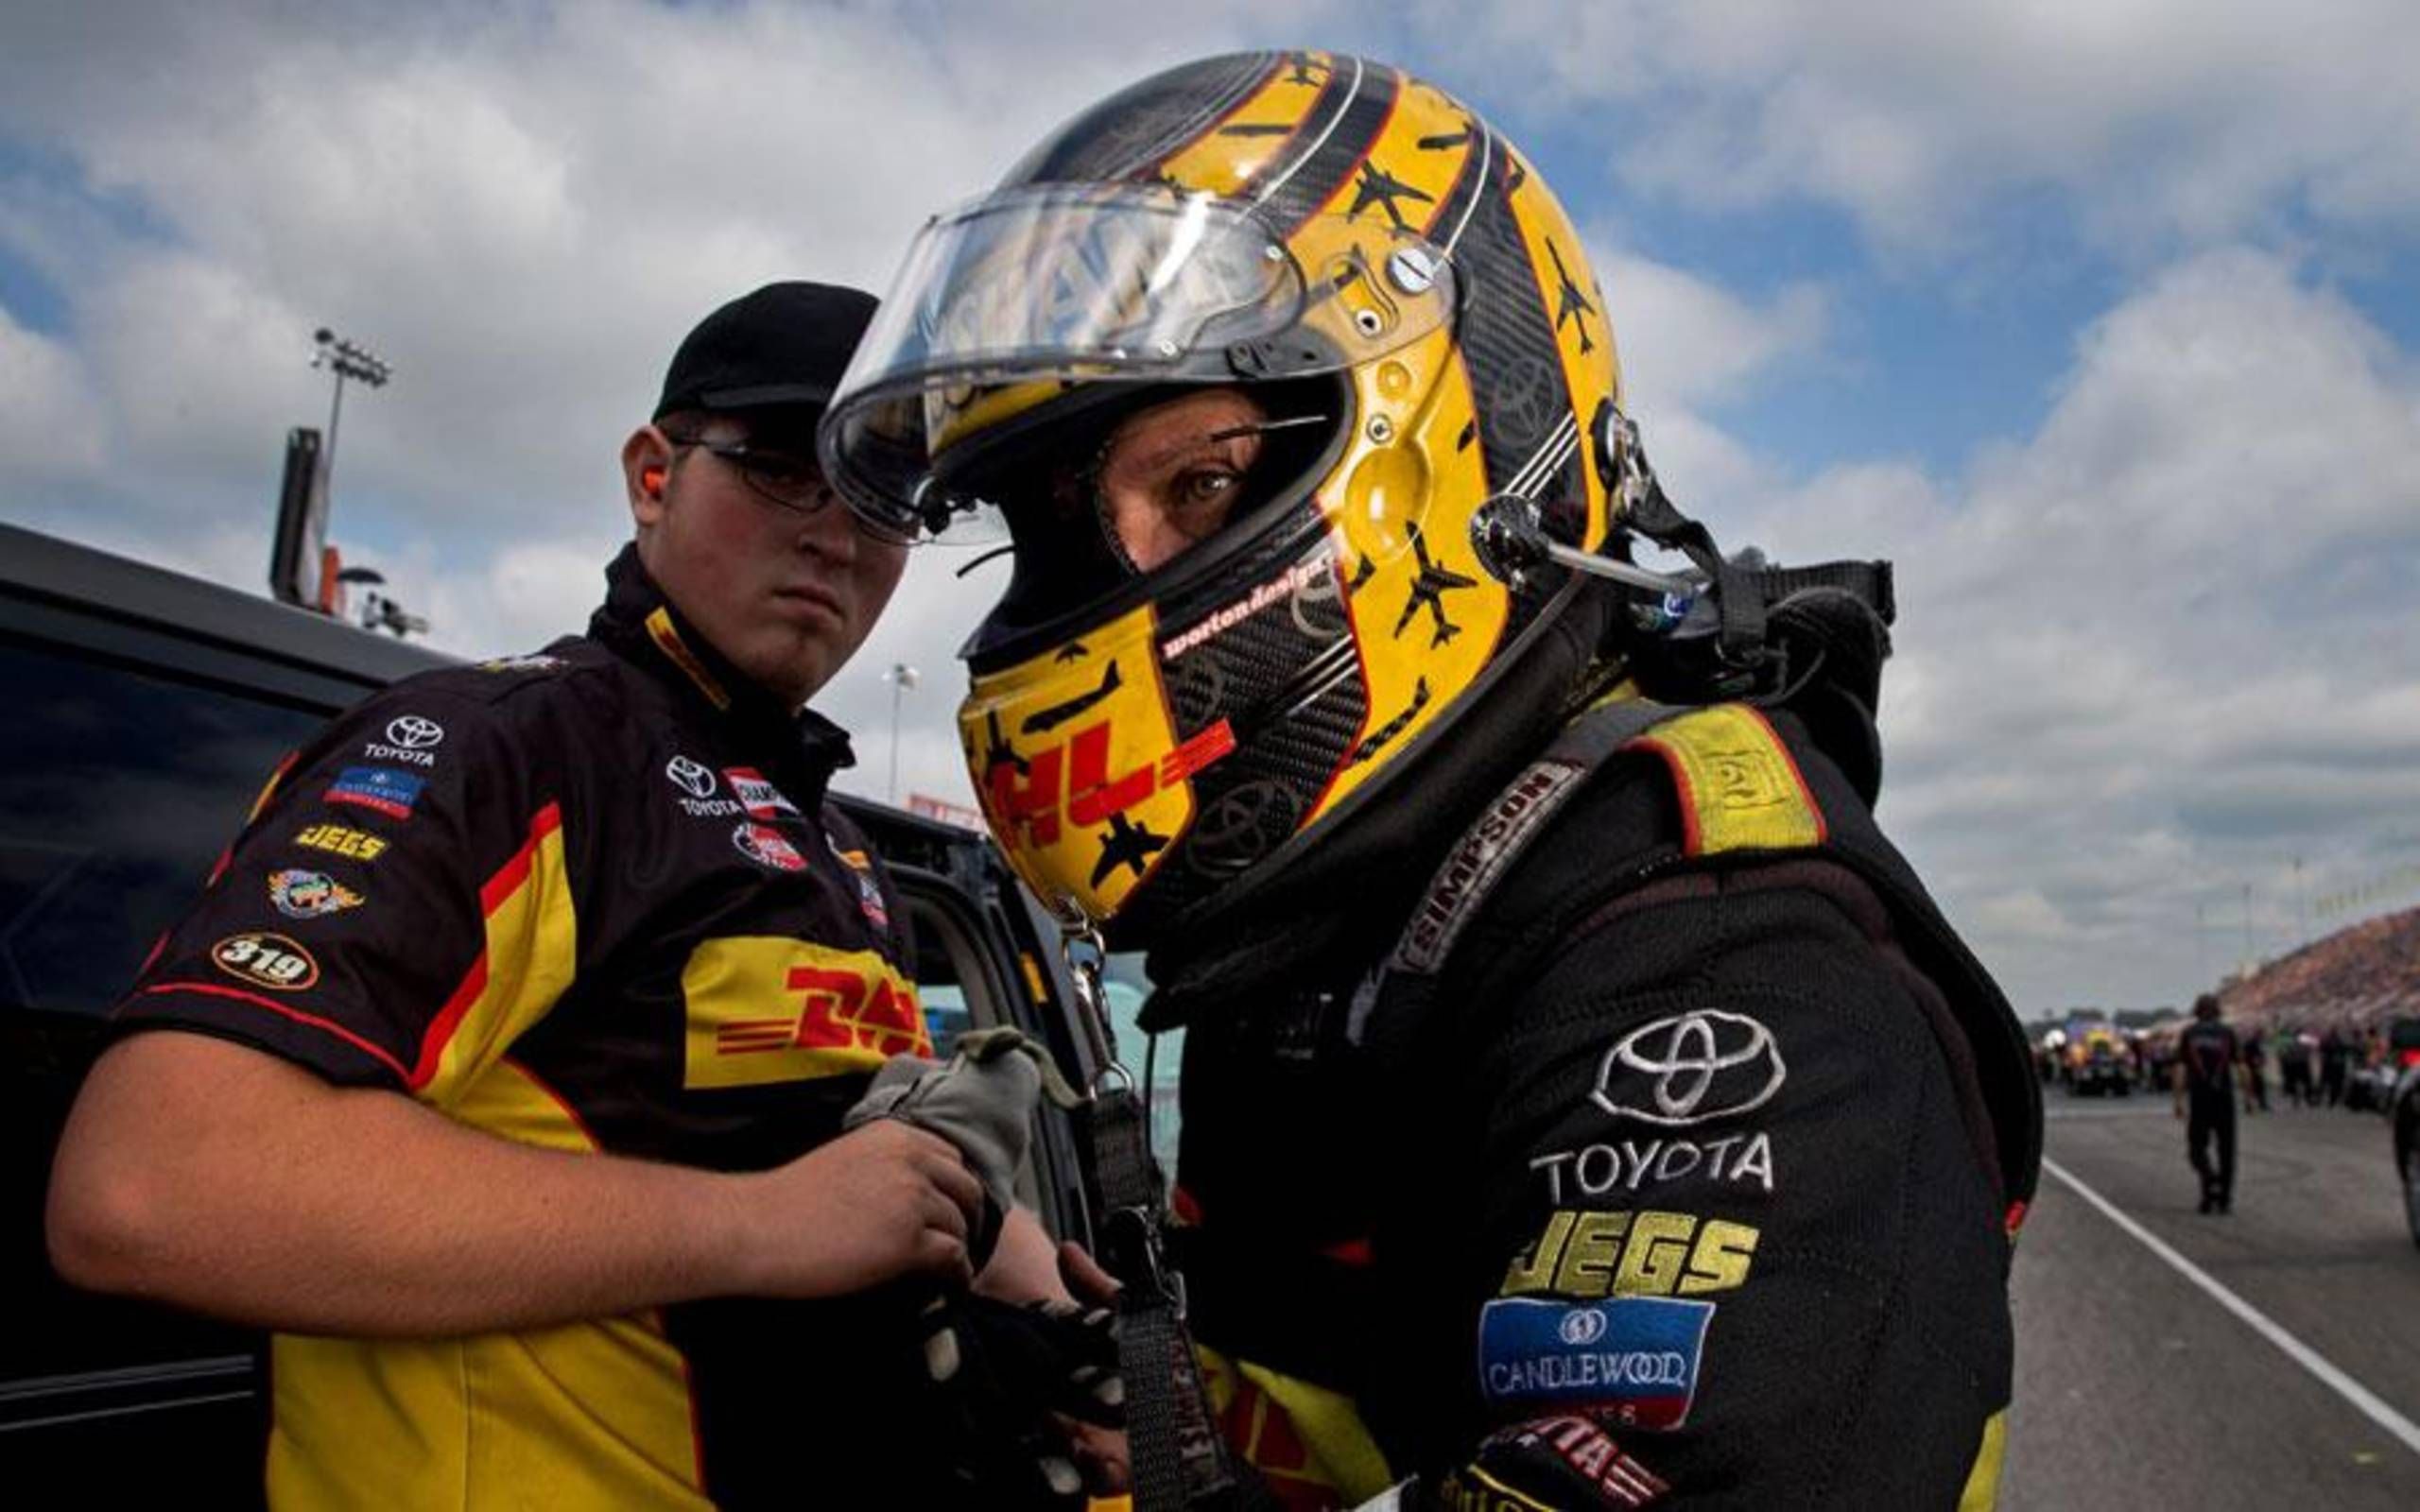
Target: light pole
[2201,945]
[901,677]
[350,359]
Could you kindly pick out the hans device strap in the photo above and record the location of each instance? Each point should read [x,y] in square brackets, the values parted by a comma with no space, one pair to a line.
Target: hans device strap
[1177,1458]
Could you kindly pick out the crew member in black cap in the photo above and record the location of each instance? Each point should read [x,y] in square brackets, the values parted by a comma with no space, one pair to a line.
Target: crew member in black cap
[500,1069]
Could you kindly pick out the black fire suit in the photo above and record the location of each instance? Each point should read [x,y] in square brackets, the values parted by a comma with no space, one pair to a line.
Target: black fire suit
[591,900]
[1697,1188]
[2207,1052]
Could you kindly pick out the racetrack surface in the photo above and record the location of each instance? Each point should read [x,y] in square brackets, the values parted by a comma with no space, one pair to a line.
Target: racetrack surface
[2136,1388]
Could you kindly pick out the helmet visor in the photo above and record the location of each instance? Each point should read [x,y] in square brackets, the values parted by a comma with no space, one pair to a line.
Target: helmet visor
[1004,302]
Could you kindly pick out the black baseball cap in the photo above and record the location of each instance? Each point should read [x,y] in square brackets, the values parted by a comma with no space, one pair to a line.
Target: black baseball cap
[786,344]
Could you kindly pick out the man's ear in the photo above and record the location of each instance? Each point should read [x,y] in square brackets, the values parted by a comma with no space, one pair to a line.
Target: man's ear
[647,466]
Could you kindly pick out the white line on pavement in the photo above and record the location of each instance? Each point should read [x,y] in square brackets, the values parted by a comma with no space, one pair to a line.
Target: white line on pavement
[2301,1353]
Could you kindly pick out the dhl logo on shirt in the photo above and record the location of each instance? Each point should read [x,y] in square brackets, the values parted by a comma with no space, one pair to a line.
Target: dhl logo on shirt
[765,1009]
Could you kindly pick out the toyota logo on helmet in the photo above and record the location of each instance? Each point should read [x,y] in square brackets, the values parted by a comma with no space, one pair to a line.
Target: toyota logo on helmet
[1691,1068]
[1407,319]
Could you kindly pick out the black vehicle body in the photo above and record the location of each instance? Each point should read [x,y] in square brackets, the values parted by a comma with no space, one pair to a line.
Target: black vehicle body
[146,709]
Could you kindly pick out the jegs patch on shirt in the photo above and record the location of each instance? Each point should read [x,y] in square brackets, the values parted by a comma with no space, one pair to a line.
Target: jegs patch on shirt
[337,840]
[1631,1359]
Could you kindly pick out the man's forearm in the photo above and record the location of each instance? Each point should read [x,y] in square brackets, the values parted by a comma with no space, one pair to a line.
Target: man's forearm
[281,1201]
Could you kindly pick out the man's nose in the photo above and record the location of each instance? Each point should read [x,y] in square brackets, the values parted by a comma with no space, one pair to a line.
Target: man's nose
[828,527]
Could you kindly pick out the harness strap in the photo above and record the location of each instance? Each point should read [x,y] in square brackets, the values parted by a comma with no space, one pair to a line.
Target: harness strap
[1409,982]
[1177,1461]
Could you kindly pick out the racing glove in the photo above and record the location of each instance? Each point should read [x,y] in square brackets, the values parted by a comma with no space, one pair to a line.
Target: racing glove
[1005,1374]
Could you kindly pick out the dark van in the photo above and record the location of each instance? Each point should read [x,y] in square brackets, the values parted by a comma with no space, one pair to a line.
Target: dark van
[145,708]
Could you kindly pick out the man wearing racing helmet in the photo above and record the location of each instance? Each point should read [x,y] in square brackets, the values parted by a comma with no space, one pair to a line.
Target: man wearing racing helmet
[1583,1104]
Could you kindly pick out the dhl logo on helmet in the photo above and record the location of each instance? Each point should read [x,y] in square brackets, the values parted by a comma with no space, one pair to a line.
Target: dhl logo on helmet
[1072,783]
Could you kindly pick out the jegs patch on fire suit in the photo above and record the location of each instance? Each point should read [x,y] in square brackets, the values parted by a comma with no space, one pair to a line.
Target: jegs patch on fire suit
[1583,1254]
[1632,1359]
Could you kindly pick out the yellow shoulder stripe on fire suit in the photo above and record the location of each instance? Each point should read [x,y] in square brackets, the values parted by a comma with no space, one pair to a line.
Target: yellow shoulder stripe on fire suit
[1740,788]
[1295,1433]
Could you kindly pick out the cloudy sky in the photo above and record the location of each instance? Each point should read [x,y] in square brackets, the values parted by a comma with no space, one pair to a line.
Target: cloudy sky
[2099,317]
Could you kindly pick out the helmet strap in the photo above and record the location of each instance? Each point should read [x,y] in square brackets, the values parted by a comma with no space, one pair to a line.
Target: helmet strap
[1648,511]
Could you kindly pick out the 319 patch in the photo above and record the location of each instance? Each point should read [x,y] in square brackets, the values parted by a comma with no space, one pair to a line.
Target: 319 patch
[300,894]
[265,960]
[1630,1359]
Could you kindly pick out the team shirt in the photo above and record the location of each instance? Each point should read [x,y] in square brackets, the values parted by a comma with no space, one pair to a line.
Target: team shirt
[591,900]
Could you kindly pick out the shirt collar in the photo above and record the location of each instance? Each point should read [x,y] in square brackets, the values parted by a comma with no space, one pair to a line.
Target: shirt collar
[640,624]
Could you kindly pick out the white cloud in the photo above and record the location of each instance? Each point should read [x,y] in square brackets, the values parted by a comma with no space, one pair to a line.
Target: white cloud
[2149,652]
[49,422]
[2200,119]
[522,209]
[2161,647]
[1688,341]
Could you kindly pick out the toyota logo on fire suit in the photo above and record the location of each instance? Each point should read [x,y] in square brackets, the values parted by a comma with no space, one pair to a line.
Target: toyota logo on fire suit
[690,777]
[413,732]
[1691,1068]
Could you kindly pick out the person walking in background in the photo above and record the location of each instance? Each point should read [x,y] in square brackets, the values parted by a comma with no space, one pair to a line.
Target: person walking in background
[2293,1062]
[2335,1056]
[2209,1061]
[2256,1074]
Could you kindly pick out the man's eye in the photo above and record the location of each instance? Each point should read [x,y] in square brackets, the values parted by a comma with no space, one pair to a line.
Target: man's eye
[1204,486]
[779,467]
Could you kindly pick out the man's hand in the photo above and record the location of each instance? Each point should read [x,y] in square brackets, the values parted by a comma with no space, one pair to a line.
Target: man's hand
[1101,1450]
[1034,1395]
[882,1201]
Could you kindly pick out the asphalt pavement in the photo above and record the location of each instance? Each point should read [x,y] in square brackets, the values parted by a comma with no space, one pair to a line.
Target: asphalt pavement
[2135,1388]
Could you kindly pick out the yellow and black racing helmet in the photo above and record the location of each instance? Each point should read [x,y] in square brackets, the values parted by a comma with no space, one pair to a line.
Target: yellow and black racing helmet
[1412,316]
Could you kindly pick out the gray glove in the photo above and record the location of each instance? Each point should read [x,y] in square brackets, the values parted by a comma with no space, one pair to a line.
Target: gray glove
[982,1100]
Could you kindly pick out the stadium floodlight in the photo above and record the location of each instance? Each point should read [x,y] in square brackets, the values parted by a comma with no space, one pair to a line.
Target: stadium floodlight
[347,359]
[901,677]
[302,570]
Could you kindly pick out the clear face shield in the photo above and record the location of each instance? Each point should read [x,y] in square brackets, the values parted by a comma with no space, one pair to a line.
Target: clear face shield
[1006,305]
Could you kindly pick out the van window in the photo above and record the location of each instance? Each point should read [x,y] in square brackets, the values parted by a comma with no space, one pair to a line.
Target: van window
[114,804]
